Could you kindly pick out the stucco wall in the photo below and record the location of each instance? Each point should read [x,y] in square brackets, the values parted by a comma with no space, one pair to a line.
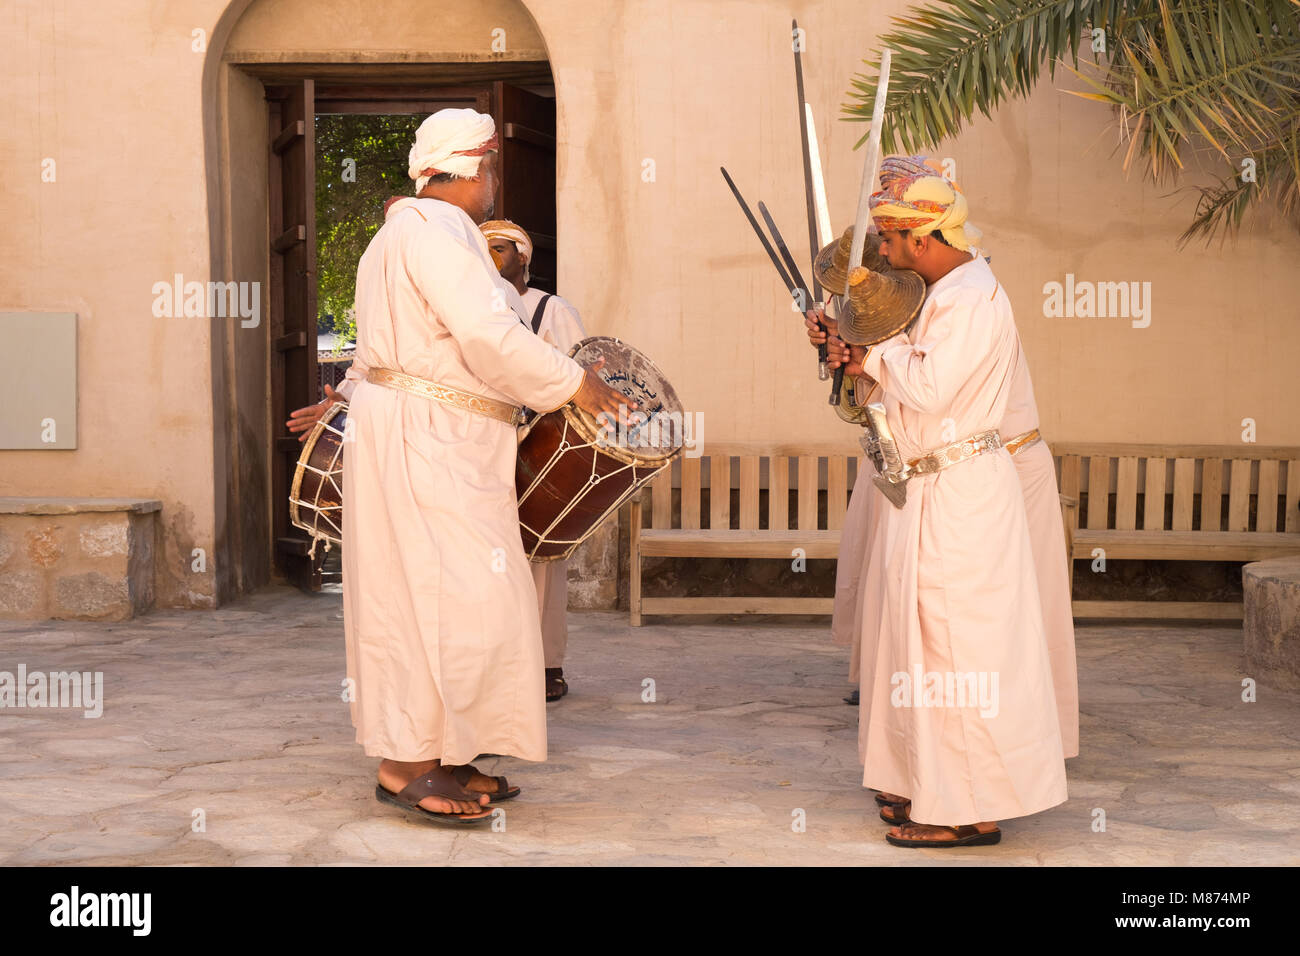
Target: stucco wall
[146,154]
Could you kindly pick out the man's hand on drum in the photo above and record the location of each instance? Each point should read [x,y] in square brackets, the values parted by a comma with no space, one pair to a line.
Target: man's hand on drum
[595,397]
[837,351]
[303,419]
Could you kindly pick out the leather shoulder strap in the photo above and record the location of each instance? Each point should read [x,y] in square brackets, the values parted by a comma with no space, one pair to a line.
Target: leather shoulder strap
[539,312]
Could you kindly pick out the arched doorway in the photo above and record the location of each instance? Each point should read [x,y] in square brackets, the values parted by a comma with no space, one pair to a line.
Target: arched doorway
[282,71]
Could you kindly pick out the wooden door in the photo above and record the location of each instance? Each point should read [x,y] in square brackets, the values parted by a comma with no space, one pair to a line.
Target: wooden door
[294,377]
[526,128]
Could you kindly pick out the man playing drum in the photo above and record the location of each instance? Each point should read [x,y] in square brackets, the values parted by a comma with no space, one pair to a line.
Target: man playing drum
[443,637]
[956,603]
[557,323]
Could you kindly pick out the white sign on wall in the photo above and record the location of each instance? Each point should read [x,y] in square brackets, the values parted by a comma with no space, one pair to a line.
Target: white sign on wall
[39,408]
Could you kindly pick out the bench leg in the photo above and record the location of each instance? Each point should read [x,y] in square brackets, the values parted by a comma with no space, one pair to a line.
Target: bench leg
[1069,520]
[634,571]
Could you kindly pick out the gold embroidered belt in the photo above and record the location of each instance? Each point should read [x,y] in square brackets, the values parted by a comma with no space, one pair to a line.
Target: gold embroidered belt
[468,401]
[1023,441]
[958,451]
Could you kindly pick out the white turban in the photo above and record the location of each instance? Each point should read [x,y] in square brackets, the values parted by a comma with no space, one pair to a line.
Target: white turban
[450,141]
[505,229]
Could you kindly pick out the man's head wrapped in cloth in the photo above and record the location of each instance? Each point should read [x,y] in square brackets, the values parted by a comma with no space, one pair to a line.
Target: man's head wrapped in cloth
[454,159]
[922,217]
[511,246]
[915,197]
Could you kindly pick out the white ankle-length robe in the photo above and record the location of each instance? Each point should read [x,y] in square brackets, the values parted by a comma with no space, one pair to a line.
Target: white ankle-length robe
[956,597]
[443,640]
[1037,474]
[851,562]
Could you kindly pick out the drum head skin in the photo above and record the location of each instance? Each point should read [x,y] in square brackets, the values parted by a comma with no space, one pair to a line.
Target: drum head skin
[661,435]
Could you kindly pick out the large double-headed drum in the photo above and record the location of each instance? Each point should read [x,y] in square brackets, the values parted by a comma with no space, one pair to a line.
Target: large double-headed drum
[316,497]
[573,472]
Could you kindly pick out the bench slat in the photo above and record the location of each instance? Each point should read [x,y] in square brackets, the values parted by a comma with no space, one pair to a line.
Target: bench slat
[1126,494]
[1070,480]
[683,543]
[1098,491]
[837,491]
[778,493]
[749,492]
[1212,495]
[1167,610]
[807,493]
[1239,495]
[1184,484]
[661,499]
[1153,510]
[1266,503]
[690,492]
[737,605]
[1187,545]
[720,491]
[1293,495]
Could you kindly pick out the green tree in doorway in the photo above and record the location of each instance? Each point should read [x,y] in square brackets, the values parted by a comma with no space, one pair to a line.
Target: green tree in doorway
[360,163]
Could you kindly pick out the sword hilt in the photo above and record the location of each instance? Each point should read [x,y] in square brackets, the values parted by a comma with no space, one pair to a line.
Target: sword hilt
[836,386]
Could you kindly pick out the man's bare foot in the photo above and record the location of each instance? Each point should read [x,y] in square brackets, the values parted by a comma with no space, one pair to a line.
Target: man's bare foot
[937,834]
[394,776]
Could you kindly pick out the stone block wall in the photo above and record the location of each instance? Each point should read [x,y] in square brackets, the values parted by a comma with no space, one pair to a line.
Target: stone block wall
[76,559]
[1272,621]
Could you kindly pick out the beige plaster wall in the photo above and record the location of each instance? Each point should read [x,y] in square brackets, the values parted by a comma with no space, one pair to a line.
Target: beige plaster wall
[147,151]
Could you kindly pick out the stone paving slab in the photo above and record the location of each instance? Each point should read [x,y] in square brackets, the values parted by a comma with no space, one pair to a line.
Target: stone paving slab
[237,713]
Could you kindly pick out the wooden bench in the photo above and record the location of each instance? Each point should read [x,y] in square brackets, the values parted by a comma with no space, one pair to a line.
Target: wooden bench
[779,509]
[1178,503]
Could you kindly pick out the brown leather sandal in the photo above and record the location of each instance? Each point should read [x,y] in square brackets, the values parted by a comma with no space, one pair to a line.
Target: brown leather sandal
[436,783]
[556,685]
[896,815]
[463,774]
[881,801]
[965,836]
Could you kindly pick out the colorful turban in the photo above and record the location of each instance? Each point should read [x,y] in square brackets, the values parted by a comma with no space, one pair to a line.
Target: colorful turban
[450,141]
[505,229]
[915,195]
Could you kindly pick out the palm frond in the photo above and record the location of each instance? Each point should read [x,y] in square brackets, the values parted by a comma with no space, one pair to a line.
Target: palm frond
[969,55]
[1221,76]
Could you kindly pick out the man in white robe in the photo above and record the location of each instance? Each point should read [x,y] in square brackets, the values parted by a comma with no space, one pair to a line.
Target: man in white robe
[958,706]
[558,324]
[440,613]
[1037,472]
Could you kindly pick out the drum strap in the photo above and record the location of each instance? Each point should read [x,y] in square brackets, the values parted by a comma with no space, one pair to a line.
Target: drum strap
[539,312]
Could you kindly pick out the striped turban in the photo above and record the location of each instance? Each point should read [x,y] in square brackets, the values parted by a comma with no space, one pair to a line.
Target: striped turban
[915,195]
[450,141]
[505,229]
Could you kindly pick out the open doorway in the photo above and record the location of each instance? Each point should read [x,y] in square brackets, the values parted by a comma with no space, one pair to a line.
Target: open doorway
[337,152]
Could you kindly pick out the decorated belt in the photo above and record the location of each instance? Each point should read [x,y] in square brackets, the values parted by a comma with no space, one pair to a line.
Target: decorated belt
[958,451]
[1023,441]
[468,401]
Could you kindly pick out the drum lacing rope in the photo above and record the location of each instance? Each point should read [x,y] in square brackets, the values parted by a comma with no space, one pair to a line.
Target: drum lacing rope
[592,481]
[315,506]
